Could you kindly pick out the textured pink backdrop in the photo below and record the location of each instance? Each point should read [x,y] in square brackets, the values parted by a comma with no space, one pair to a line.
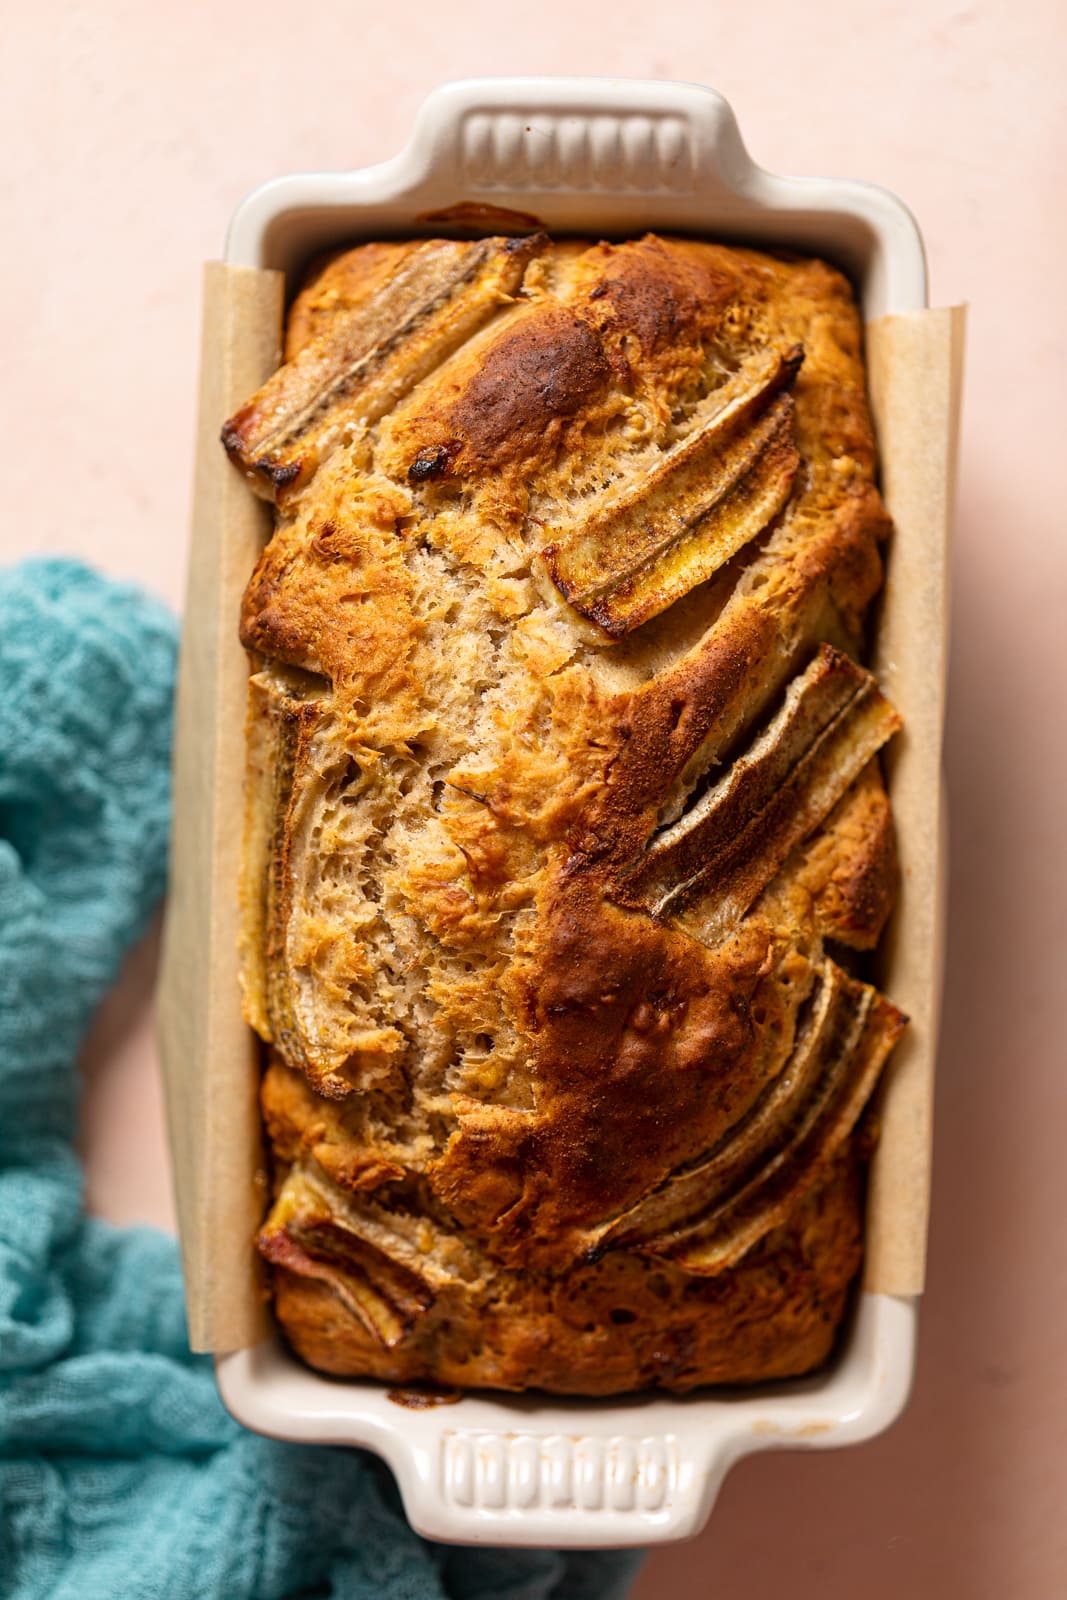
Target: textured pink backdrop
[132,130]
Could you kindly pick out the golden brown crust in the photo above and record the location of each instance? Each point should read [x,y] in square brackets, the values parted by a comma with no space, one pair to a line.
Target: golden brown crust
[848,875]
[562,774]
[302,1124]
[623,1323]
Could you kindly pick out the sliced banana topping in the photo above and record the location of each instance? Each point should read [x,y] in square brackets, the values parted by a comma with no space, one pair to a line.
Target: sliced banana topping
[710,1213]
[303,1235]
[386,1265]
[706,869]
[861,1030]
[707,498]
[370,357]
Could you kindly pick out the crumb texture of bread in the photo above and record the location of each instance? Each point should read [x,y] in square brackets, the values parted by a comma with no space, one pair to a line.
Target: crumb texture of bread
[565,828]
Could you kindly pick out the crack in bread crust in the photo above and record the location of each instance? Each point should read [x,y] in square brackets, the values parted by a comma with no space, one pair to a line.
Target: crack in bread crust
[562,778]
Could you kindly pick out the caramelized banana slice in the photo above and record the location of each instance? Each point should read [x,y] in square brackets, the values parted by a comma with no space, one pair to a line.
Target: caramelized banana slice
[388,1264]
[707,868]
[750,1143]
[285,706]
[305,974]
[709,496]
[710,1214]
[846,874]
[368,358]
[858,1032]
[822,1047]
[302,1235]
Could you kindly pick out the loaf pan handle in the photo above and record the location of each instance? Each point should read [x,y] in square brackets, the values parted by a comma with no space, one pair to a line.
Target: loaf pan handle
[499,137]
[532,1470]
[604,157]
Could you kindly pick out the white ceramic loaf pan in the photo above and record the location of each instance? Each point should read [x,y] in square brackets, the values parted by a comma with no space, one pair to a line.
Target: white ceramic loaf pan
[607,157]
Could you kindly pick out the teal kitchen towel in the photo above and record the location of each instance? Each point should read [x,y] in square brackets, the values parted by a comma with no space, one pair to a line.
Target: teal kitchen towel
[121,1476]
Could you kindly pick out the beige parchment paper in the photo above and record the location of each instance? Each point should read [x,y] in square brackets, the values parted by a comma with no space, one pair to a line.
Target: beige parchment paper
[915,369]
[209,1054]
[210,1061]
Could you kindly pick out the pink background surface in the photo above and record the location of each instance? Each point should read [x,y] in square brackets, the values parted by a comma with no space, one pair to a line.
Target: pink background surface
[131,133]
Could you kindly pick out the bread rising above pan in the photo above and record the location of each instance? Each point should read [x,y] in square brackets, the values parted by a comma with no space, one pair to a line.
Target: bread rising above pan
[564,811]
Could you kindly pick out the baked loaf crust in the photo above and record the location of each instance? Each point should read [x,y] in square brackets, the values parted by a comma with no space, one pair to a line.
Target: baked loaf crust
[564,811]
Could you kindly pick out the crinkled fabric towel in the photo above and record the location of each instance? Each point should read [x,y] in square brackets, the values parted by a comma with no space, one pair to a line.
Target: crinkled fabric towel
[121,1476]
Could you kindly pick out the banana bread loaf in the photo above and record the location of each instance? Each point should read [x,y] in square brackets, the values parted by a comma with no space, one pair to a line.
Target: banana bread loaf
[565,824]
